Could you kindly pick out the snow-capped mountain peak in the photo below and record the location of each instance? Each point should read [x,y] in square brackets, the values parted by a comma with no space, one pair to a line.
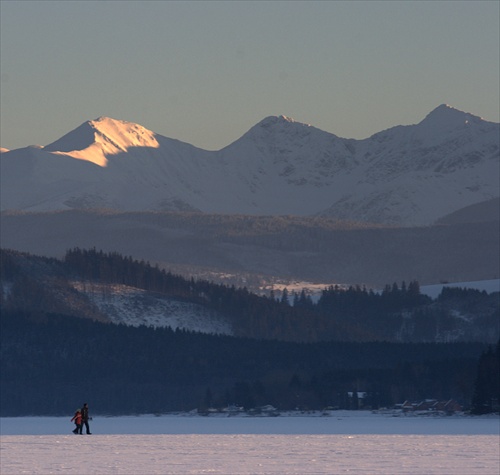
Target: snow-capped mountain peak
[122,135]
[280,124]
[95,139]
[276,120]
[283,130]
[446,117]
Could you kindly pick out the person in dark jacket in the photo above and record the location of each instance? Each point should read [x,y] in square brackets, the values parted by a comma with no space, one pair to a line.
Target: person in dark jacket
[85,418]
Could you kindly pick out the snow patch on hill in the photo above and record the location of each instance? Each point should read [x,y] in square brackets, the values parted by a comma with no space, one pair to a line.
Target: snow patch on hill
[131,306]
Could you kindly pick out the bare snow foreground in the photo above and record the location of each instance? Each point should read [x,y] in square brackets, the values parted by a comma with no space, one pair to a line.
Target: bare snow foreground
[341,443]
[250,454]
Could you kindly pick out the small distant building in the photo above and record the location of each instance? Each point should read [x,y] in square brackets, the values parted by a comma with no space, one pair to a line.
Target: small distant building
[269,410]
[356,399]
[430,405]
[427,405]
[406,406]
[449,406]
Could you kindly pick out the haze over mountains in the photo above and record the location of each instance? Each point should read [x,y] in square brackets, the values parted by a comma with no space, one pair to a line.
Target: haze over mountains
[406,175]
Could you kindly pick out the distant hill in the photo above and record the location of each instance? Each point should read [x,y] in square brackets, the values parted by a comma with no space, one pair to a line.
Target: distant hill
[488,210]
[112,288]
[266,251]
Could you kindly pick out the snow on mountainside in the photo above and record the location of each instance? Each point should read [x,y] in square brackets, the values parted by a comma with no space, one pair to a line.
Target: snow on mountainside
[406,175]
[96,139]
[132,306]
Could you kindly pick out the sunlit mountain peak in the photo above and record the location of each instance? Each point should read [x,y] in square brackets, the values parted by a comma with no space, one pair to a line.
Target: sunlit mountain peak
[96,139]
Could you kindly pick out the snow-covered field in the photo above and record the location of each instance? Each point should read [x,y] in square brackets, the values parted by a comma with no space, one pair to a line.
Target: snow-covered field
[342,442]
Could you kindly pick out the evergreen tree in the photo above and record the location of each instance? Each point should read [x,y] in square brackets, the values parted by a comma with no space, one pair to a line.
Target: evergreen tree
[355,400]
[208,398]
[284,297]
[487,386]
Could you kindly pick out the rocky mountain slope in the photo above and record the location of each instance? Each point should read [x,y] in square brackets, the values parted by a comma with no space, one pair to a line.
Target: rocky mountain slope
[406,175]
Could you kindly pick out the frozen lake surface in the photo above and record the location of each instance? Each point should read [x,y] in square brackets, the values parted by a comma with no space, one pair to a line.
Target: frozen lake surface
[344,442]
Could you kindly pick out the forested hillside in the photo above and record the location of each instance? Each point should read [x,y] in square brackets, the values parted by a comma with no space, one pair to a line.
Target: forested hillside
[50,363]
[398,313]
[57,347]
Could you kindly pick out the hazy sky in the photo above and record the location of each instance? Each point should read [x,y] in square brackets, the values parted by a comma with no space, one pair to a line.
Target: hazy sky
[205,72]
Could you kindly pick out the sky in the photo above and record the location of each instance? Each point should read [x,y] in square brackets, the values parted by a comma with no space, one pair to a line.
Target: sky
[206,72]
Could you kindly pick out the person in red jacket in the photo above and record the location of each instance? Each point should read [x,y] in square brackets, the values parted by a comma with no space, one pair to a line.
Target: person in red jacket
[77,418]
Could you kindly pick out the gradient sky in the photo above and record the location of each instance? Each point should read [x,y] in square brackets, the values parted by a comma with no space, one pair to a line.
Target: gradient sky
[204,72]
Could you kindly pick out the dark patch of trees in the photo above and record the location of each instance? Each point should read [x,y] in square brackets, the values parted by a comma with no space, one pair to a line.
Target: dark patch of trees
[51,363]
[486,396]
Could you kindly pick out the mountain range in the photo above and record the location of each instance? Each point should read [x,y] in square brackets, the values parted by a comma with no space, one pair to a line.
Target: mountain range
[405,176]
[125,212]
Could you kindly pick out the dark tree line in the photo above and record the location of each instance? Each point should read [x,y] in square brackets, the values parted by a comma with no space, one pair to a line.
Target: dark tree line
[486,396]
[353,314]
[355,300]
[50,362]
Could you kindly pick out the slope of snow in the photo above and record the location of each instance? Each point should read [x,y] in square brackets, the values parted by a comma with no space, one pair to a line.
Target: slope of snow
[135,307]
[406,175]
[95,140]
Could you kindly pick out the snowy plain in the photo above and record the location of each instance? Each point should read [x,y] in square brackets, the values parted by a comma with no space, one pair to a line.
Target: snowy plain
[337,443]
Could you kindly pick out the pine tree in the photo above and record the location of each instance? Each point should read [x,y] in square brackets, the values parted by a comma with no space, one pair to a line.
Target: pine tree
[284,297]
[487,386]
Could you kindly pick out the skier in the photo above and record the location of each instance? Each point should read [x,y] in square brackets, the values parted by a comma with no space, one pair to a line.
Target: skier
[77,418]
[85,419]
